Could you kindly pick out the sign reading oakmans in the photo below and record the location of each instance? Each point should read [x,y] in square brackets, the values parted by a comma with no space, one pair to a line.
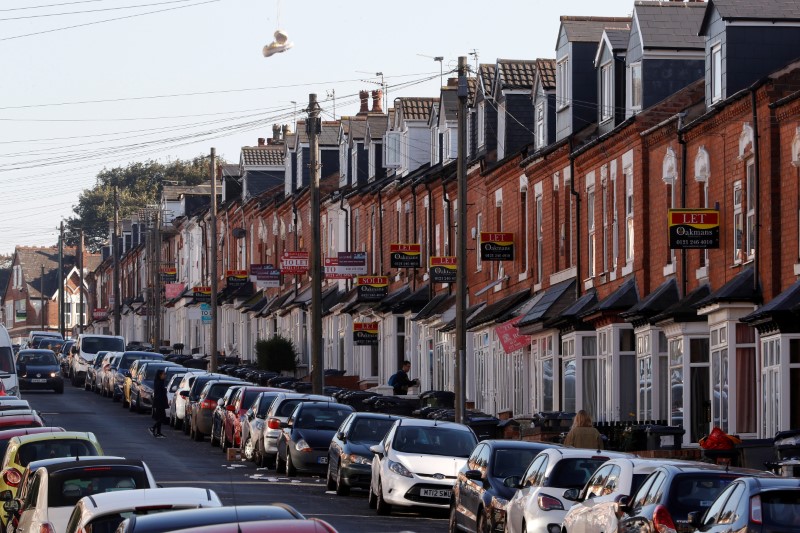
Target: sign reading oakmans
[497,246]
[365,333]
[372,288]
[236,278]
[202,293]
[693,228]
[443,269]
[405,255]
[169,274]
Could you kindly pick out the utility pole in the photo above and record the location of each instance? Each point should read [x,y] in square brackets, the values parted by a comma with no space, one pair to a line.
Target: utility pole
[313,129]
[212,366]
[157,279]
[461,246]
[61,323]
[80,291]
[115,255]
[41,295]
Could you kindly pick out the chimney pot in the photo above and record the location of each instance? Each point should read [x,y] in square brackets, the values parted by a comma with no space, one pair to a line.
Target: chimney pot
[262,141]
[364,96]
[377,101]
[287,130]
[276,133]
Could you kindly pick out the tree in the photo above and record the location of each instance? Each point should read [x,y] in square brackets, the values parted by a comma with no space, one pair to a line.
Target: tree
[276,354]
[139,184]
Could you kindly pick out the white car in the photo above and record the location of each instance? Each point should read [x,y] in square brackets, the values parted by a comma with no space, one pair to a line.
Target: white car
[417,462]
[596,504]
[539,504]
[253,424]
[177,405]
[104,512]
[55,488]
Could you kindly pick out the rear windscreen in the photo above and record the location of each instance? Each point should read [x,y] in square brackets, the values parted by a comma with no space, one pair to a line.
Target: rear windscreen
[99,344]
[6,360]
[781,509]
[512,462]
[249,397]
[66,488]
[573,473]
[695,492]
[50,448]
[285,409]
[215,392]
[265,404]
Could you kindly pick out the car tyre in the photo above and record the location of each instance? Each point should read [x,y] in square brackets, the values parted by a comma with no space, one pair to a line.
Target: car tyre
[197,435]
[279,463]
[372,500]
[212,438]
[382,508]
[341,488]
[330,483]
[187,425]
[483,524]
[451,523]
[59,389]
[248,450]
[291,471]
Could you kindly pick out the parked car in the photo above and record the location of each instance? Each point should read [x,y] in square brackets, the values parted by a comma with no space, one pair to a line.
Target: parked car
[200,421]
[7,434]
[8,370]
[39,369]
[308,525]
[241,402]
[306,437]
[50,343]
[85,350]
[141,393]
[752,505]
[487,482]
[279,412]
[132,372]
[416,464]
[218,416]
[178,401]
[596,503]
[175,382]
[18,419]
[105,512]
[196,518]
[104,373]
[91,373]
[193,395]
[349,456]
[63,356]
[12,403]
[539,504]
[253,425]
[672,491]
[56,488]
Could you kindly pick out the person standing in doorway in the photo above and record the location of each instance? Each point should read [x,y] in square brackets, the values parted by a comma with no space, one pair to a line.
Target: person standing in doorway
[400,381]
[583,434]
[159,403]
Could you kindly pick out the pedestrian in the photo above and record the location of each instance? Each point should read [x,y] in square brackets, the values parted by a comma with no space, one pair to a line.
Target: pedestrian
[159,403]
[400,382]
[583,434]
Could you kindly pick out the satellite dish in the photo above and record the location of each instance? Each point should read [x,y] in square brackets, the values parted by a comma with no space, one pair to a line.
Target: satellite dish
[280,44]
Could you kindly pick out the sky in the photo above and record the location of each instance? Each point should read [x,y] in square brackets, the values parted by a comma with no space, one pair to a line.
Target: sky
[93,84]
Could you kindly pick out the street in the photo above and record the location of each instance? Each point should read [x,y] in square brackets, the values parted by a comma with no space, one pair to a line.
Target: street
[179,461]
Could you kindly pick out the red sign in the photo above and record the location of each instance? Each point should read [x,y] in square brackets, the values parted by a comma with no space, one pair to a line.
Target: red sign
[365,333]
[100,314]
[236,278]
[443,269]
[510,337]
[497,246]
[405,255]
[294,263]
[173,290]
[334,271]
[202,293]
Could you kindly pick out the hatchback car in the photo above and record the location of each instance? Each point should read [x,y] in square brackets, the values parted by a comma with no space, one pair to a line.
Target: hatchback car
[39,369]
[242,399]
[190,520]
[200,421]
[142,383]
[192,396]
[106,374]
[91,373]
[753,505]
[488,481]
[17,419]
[306,437]
[539,504]
[122,372]
[416,464]
[254,423]
[672,491]
[7,434]
[349,456]
[131,374]
[219,414]
[279,412]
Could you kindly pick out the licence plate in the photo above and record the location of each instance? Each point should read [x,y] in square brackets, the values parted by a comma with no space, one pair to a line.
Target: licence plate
[38,380]
[322,460]
[435,493]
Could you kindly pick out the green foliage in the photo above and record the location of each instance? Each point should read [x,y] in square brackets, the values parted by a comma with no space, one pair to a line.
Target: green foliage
[139,185]
[276,354]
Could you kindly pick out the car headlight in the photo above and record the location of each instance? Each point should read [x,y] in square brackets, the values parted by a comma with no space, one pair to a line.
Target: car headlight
[52,374]
[13,391]
[360,459]
[399,469]
[302,446]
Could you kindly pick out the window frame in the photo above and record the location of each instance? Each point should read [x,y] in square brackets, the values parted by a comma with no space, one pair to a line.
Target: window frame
[563,83]
[715,64]
[606,92]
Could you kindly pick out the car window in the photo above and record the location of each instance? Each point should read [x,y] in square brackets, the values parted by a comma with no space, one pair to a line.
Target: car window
[265,403]
[573,472]
[695,491]
[50,448]
[780,508]
[712,514]
[37,358]
[329,418]
[286,407]
[434,441]
[729,513]
[594,487]
[533,470]
[472,461]
[6,359]
[247,398]
[65,488]
[33,492]
[511,462]
[612,481]
[483,459]
[97,344]
[369,430]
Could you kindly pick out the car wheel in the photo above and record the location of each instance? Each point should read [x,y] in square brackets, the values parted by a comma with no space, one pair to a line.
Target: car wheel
[248,449]
[131,405]
[483,524]
[187,425]
[341,488]
[223,442]
[372,500]
[381,506]
[452,527]
[115,398]
[330,483]
[291,471]
[212,438]
[178,423]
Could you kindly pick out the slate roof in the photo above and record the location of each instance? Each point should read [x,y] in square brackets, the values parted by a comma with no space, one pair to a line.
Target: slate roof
[174,192]
[438,305]
[685,309]
[654,303]
[378,124]
[263,156]
[785,302]
[516,73]
[739,289]
[546,70]
[329,136]
[756,9]
[229,170]
[570,315]
[496,309]
[618,39]
[31,259]
[449,103]
[673,25]
[416,108]
[590,29]
[547,302]
[625,297]
[357,127]
[486,72]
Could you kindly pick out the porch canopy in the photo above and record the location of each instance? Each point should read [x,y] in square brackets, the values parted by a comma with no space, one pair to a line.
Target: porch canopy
[685,309]
[622,299]
[653,304]
[436,307]
[782,313]
[569,319]
[740,289]
[496,310]
[551,303]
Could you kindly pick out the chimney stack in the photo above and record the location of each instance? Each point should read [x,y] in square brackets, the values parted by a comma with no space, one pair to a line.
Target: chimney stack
[364,96]
[276,133]
[377,101]
[287,130]
[262,141]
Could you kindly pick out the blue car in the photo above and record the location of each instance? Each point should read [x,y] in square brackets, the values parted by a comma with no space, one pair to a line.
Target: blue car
[39,369]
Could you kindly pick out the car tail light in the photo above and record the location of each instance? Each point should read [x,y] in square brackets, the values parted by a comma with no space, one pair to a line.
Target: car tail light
[47,527]
[12,477]
[755,509]
[548,503]
[662,521]
[208,404]
[274,423]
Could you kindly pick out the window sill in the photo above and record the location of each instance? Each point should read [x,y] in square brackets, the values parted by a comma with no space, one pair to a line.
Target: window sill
[701,273]
[797,270]
[537,287]
[669,269]
[588,284]
[522,277]
[627,269]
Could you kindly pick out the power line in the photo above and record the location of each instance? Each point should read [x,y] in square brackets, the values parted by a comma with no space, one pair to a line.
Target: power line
[49,5]
[94,10]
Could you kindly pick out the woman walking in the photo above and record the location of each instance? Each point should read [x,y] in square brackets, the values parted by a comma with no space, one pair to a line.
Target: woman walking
[583,434]
[159,403]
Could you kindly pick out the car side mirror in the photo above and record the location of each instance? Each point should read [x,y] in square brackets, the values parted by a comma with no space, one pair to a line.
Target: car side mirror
[572,495]
[695,518]
[11,506]
[378,450]
[474,475]
[513,482]
[622,506]
[340,436]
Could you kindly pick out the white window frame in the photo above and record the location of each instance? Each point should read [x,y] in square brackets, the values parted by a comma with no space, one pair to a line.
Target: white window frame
[539,239]
[434,146]
[391,153]
[540,125]
[604,185]
[629,220]
[606,92]
[738,222]
[716,72]
[750,216]
[481,124]
[590,229]
[563,84]
[526,233]
[371,163]
[501,130]
[478,229]
[614,218]
[635,87]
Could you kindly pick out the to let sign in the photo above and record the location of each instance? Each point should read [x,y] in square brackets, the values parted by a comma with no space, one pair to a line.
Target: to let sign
[372,288]
[693,229]
[365,333]
[405,255]
[202,293]
[294,263]
[236,278]
[497,246]
[443,269]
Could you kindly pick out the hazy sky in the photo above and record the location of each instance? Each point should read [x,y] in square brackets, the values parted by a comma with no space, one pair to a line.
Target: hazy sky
[87,84]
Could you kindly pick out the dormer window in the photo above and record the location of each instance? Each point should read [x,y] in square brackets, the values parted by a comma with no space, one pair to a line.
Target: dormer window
[391,153]
[606,92]
[716,72]
[343,163]
[481,125]
[540,140]
[371,162]
[635,87]
[501,130]
[563,83]
[434,146]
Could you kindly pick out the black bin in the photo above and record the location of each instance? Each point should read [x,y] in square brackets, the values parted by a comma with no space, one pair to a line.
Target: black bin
[664,437]
[437,398]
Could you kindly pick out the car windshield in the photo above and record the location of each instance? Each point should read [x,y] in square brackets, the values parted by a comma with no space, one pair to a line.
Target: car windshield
[695,492]
[573,472]
[99,344]
[217,390]
[51,344]
[37,358]
[6,360]
[328,418]
[370,430]
[434,440]
[50,448]
[150,371]
[511,462]
[66,488]
[109,523]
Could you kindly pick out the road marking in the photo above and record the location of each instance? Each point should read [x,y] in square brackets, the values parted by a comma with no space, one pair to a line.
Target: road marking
[223,483]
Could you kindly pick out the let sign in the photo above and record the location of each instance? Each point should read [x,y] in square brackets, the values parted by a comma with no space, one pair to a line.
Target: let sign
[693,229]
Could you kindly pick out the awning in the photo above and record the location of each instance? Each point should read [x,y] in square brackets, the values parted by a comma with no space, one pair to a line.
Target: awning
[654,303]
[569,318]
[493,311]
[247,305]
[438,305]
[622,299]
[275,304]
[392,299]
[451,325]
[685,310]
[228,294]
[330,297]
[413,302]
[553,300]
[782,313]
[739,289]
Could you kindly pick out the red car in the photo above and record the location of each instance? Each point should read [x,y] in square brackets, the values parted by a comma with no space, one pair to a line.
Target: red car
[20,419]
[241,402]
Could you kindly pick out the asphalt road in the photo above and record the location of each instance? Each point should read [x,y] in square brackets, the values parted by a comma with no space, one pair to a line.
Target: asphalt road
[179,461]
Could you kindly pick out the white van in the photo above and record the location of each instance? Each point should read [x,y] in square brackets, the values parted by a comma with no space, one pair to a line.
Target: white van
[8,367]
[85,350]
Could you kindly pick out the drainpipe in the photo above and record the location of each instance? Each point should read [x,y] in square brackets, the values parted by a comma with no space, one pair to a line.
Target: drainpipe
[414,219]
[380,231]
[346,227]
[577,217]
[294,222]
[427,239]
[684,152]
[757,178]
[446,200]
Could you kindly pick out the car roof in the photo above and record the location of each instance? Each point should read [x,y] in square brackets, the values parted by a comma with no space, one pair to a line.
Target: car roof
[19,412]
[91,460]
[565,452]
[114,502]
[311,525]
[141,353]
[10,433]
[34,350]
[766,483]
[424,422]
[506,444]
[381,416]
[172,520]
[333,404]
[693,466]
[24,439]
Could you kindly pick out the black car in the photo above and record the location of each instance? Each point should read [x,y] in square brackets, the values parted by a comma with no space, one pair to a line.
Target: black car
[195,518]
[306,436]
[39,369]
[487,482]
[671,492]
[193,395]
[349,456]
[753,505]
[142,383]
[63,356]
[121,371]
